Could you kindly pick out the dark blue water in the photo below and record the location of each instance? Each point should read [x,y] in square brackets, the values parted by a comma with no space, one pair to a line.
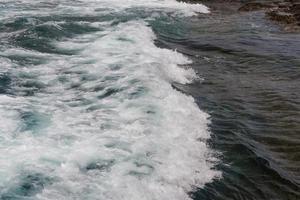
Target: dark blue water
[251,71]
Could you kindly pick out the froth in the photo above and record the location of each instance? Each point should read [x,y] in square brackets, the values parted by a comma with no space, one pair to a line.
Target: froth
[104,122]
[117,129]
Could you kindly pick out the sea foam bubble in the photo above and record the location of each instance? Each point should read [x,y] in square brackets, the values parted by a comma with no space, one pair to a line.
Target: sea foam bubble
[104,122]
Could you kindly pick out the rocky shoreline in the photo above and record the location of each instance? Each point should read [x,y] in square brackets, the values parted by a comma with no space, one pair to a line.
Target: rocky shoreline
[284,12]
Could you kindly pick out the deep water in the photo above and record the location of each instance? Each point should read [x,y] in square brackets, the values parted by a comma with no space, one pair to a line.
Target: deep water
[146,100]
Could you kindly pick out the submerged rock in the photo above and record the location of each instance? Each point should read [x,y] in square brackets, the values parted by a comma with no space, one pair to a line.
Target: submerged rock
[283,17]
[253,6]
[285,12]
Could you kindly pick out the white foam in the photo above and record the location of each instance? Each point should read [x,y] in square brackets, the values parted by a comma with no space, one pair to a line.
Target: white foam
[117,129]
[171,5]
[95,6]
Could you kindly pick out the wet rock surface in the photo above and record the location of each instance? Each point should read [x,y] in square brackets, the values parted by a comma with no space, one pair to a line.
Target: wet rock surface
[285,12]
[254,6]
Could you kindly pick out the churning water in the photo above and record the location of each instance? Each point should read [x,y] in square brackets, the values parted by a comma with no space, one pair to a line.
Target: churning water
[87,106]
[99,99]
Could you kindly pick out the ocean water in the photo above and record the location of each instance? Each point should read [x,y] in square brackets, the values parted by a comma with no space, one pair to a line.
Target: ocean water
[250,69]
[88,107]
[147,100]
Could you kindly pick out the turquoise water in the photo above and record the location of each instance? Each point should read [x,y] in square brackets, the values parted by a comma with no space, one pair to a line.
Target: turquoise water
[87,106]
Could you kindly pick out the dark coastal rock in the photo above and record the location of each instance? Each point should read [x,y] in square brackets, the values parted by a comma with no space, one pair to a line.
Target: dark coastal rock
[283,17]
[286,12]
[295,8]
[254,6]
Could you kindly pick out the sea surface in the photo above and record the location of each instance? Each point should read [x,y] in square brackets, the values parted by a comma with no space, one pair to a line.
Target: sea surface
[146,100]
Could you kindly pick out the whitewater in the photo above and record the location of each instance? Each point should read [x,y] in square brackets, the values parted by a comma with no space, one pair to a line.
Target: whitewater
[88,110]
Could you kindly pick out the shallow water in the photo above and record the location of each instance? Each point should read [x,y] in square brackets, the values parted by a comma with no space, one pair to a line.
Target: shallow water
[146,100]
[250,88]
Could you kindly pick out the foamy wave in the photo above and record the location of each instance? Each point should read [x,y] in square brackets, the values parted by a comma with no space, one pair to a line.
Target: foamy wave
[104,123]
[95,6]
[123,133]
